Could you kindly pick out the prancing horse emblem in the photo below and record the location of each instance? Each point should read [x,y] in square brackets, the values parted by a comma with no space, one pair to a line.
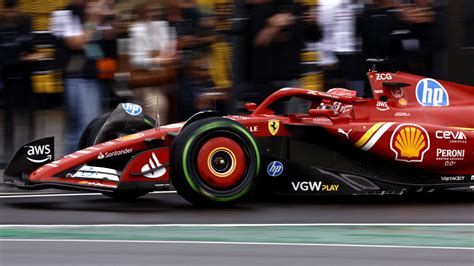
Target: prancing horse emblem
[273,126]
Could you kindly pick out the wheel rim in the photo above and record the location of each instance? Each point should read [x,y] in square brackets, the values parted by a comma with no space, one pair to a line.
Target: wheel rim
[221,163]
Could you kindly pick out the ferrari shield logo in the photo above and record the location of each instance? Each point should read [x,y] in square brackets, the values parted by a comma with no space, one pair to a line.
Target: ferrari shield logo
[273,126]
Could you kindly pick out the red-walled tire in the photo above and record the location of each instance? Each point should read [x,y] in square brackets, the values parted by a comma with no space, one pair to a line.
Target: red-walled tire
[214,162]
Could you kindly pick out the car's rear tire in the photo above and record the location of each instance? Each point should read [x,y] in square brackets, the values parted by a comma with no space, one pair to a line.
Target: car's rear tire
[214,162]
[89,138]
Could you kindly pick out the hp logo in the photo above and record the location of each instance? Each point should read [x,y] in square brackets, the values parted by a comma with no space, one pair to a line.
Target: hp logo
[429,92]
[131,108]
[275,168]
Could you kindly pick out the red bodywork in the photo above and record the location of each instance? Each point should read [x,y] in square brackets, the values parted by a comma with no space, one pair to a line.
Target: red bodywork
[393,125]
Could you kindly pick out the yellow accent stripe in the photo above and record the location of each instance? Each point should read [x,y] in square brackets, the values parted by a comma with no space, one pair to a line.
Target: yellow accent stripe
[368,134]
[464,128]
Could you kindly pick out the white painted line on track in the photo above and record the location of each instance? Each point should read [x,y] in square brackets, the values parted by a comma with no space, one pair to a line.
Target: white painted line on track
[233,243]
[26,193]
[43,195]
[232,225]
[49,195]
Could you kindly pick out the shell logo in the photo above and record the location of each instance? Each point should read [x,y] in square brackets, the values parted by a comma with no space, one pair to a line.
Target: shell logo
[409,142]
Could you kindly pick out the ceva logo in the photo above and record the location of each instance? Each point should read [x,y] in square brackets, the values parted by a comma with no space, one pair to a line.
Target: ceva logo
[430,92]
[132,109]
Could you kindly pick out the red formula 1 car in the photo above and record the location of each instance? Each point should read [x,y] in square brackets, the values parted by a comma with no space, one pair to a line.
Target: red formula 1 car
[412,134]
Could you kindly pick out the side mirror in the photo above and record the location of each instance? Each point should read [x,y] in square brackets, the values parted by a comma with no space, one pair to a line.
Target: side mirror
[250,107]
[321,112]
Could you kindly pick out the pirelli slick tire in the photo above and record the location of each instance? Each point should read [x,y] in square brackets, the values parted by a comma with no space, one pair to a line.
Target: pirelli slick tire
[89,135]
[214,162]
[89,138]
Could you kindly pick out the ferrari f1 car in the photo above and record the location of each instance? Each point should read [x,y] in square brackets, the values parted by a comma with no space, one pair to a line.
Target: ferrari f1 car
[412,134]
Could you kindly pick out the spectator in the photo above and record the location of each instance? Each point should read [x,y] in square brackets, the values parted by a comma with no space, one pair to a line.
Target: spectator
[277,31]
[402,32]
[206,96]
[184,16]
[78,39]
[152,49]
[107,66]
[215,39]
[16,52]
[339,49]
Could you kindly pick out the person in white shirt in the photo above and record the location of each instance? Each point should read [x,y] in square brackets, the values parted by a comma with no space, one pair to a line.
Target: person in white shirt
[152,46]
[78,43]
[340,47]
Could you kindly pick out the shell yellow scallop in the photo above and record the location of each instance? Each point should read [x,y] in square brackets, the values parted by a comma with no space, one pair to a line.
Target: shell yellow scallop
[410,141]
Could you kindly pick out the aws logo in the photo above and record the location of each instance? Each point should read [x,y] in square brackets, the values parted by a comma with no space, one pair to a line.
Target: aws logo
[39,153]
[409,142]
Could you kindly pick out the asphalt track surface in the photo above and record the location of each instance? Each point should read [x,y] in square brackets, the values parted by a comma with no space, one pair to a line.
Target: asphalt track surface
[50,207]
[90,253]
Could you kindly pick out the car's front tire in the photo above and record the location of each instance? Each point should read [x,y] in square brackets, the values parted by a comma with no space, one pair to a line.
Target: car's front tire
[215,162]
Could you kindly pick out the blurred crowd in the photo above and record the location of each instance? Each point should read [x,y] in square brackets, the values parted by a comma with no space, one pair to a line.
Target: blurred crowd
[176,57]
